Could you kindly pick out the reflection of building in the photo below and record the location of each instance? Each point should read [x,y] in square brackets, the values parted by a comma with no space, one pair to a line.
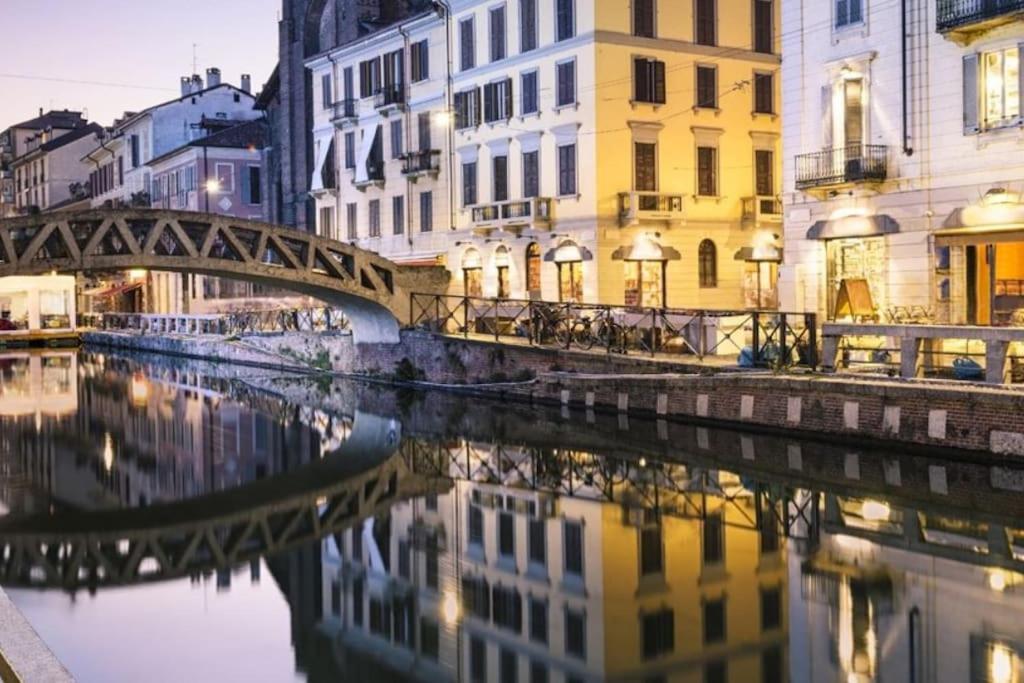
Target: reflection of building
[549,193]
[38,384]
[904,158]
[499,582]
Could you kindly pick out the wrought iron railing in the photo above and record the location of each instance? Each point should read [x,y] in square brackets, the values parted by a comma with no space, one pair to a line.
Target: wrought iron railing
[758,338]
[849,164]
[422,161]
[389,95]
[953,14]
[345,110]
[322,319]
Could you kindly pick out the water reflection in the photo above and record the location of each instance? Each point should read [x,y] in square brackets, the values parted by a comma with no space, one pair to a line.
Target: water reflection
[412,538]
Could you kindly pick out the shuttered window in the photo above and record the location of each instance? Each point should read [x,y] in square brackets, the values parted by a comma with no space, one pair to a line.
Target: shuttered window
[649,80]
[764,30]
[374,218]
[369,77]
[506,534]
[538,620]
[529,93]
[497,16]
[707,87]
[707,171]
[350,149]
[714,534]
[764,93]
[423,130]
[705,21]
[573,540]
[426,212]
[467,109]
[325,91]
[398,214]
[643,18]
[565,81]
[527,25]
[469,197]
[565,18]
[419,61]
[396,139]
[764,170]
[658,633]
[531,174]
[567,170]
[467,44]
[714,621]
[707,272]
[351,210]
[500,175]
[651,557]
[498,101]
[646,161]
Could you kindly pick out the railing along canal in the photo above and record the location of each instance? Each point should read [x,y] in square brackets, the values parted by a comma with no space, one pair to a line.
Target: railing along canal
[322,319]
[761,338]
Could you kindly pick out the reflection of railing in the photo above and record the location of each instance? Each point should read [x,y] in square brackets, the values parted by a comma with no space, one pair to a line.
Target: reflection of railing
[243,322]
[759,337]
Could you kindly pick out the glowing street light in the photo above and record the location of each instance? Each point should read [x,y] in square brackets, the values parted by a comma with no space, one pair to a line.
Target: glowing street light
[450,609]
[212,186]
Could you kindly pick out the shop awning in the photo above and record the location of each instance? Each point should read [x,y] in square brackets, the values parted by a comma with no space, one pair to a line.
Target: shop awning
[769,254]
[567,252]
[998,217]
[645,249]
[853,226]
[961,237]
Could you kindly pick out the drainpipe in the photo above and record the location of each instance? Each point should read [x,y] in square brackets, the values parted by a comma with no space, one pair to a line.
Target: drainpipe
[449,107]
[407,79]
[338,88]
[907,148]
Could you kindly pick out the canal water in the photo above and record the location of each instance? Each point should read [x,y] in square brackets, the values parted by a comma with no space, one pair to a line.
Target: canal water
[167,520]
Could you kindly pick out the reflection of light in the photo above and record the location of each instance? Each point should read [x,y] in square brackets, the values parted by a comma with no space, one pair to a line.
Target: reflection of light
[875,511]
[450,609]
[140,390]
[1001,664]
[643,462]
[997,581]
[137,274]
[108,451]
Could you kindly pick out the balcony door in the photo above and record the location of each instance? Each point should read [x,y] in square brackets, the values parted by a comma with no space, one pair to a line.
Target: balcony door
[646,173]
[853,112]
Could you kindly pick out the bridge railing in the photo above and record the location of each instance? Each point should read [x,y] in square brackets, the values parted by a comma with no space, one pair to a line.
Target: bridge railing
[754,338]
[321,319]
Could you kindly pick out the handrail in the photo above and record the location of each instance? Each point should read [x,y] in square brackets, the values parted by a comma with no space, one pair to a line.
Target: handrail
[850,164]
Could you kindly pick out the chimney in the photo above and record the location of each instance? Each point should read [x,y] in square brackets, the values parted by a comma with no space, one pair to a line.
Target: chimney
[197,83]
[186,86]
[247,83]
[212,77]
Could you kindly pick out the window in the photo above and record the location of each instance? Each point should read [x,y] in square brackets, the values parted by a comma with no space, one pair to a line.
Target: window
[707,171]
[467,109]
[848,13]
[658,633]
[1001,96]
[136,157]
[420,61]
[357,533]
[325,91]
[565,19]
[509,667]
[651,556]
[538,620]
[853,111]
[396,139]
[350,220]
[469,197]
[716,672]
[705,22]
[537,540]
[476,597]
[357,601]
[348,85]
[764,173]
[497,15]
[771,665]
[394,75]
[252,186]
[527,25]
[565,81]
[506,534]
[508,609]
[467,44]
[350,149]
[531,174]
[431,565]
[570,281]
[771,609]
[714,621]
[398,214]
[326,228]
[573,532]
[707,267]
[538,672]
[426,211]
[764,94]
[648,80]
[498,101]
[529,93]
[423,128]
[369,77]
[567,170]
[500,177]
[225,174]
[576,633]
[707,87]
[477,660]
[645,159]
[714,526]
[374,218]
[404,556]
[430,639]
[764,34]
[533,261]
[501,263]
[643,18]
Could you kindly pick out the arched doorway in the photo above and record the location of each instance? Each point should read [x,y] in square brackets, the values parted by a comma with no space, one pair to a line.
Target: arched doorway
[569,257]
[502,262]
[533,271]
[644,268]
[472,273]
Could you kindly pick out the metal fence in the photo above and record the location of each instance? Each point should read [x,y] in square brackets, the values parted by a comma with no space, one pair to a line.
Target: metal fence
[756,338]
[952,14]
[324,319]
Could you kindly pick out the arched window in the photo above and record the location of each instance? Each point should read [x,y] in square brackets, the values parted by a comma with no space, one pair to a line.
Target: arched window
[501,263]
[707,264]
[533,270]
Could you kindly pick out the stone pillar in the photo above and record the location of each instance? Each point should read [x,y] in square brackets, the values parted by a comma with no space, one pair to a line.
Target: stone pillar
[997,362]
[910,357]
[830,353]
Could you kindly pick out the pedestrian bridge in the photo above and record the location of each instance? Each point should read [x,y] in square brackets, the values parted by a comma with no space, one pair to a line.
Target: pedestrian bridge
[374,292]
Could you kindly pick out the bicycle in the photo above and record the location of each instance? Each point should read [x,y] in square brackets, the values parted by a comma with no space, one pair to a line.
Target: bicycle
[585,333]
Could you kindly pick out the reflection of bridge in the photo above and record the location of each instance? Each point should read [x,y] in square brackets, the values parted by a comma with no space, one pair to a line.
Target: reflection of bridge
[374,292]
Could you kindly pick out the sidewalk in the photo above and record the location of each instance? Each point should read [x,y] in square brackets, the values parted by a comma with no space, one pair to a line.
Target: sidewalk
[24,658]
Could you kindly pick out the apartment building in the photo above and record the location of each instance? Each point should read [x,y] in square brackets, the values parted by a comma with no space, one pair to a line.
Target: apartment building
[625,153]
[903,177]
[50,173]
[14,142]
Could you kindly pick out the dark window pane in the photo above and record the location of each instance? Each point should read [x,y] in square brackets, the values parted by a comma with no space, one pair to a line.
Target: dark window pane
[575,634]
[509,669]
[538,620]
[716,672]
[707,171]
[771,609]
[565,17]
[477,660]
[430,639]
[771,666]
[714,621]
[537,537]
[574,548]
[707,87]
[643,18]
[538,672]
[764,34]
[500,176]
[658,633]
[508,609]
[527,25]
[651,560]
[506,527]
[705,20]
[476,524]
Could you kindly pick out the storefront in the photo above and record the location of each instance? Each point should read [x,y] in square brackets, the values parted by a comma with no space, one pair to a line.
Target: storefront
[44,303]
[569,258]
[502,265]
[644,268]
[533,264]
[472,273]
[760,276]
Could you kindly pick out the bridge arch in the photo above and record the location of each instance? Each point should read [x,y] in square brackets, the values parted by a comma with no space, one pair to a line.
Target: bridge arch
[373,291]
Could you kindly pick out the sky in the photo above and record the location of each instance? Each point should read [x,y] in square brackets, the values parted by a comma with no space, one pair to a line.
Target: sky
[106,57]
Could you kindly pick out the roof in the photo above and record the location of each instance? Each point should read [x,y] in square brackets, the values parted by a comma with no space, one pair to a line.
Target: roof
[53,119]
[61,141]
[198,93]
[251,134]
[270,89]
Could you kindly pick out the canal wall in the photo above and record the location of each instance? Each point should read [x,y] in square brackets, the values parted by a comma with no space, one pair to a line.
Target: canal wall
[948,415]
[23,655]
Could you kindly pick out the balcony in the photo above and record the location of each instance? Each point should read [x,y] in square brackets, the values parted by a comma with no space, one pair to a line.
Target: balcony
[424,162]
[345,112]
[644,207]
[389,98]
[534,213]
[848,165]
[759,211]
[374,175]
[961,20]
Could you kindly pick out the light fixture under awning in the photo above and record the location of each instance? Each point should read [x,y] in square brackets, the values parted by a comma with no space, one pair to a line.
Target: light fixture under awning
[568,252]
[853,226]
[766,254]
[998,217]
[645,249]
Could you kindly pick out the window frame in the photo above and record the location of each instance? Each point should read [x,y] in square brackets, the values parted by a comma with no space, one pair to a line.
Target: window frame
[707,278]
[562,190]
[495,54]
[470,63]
[570,62]
[654,19]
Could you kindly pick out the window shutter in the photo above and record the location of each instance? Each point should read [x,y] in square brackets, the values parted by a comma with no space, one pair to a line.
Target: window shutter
[659,82]
[826,116]
[424,53]
[640,78]
[508,99]
[476,107]
[971,94]
[246,188]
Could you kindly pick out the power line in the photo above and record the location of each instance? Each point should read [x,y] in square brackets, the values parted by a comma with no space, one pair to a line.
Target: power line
[51,79]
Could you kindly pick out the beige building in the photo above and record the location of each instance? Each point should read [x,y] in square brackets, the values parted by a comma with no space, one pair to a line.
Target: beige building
[50,173]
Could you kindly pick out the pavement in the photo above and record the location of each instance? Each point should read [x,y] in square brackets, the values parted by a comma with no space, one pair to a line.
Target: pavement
[24,658]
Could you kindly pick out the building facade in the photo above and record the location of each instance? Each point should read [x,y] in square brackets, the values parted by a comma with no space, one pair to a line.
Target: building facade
[627,155]
[14,142]
[50,174]
[902,182]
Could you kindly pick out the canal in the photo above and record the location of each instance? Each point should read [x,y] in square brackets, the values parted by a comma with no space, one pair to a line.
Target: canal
[167,520]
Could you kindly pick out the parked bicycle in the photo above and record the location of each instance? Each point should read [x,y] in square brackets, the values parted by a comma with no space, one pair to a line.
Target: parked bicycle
[585,333]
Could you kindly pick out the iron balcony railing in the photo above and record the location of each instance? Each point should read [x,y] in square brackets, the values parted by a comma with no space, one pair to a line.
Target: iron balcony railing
[753,338]
[957,14]
[850,164]
[635,207]
[345,110]
[390,96]
[423,161]
[533,211]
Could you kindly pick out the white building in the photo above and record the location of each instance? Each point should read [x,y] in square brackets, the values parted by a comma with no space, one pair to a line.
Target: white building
[902,128]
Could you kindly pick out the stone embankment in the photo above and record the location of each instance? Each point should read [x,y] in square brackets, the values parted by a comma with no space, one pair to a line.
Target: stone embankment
[940,415]
[24,658]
